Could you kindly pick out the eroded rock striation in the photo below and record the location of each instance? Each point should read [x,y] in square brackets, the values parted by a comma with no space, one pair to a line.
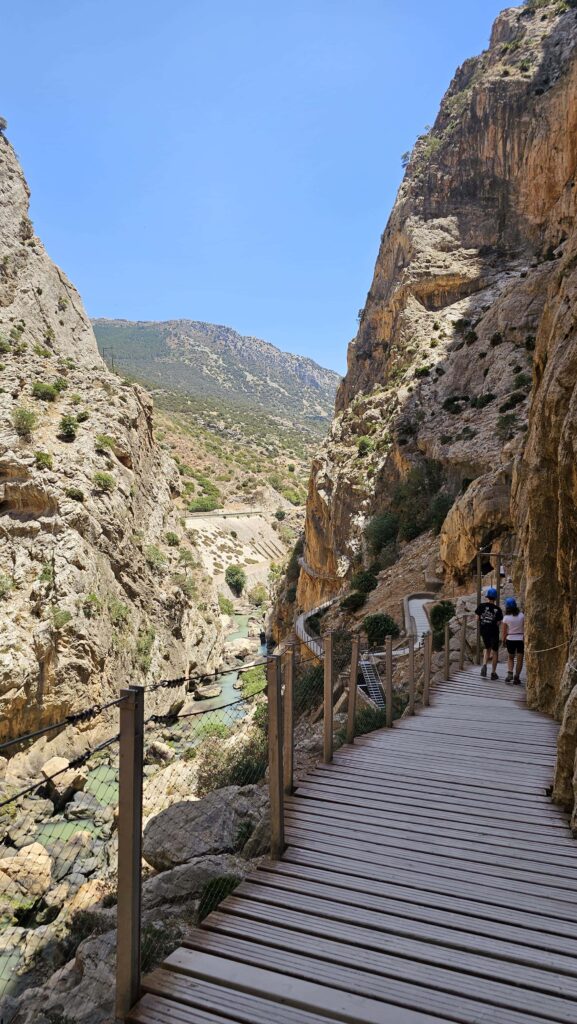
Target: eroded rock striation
[465,360]
[92,595]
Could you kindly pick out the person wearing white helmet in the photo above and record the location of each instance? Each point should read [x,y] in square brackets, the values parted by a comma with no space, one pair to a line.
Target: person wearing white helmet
[490,615]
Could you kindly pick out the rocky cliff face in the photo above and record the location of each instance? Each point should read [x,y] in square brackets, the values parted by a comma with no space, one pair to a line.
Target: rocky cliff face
[93,596]
[466,353]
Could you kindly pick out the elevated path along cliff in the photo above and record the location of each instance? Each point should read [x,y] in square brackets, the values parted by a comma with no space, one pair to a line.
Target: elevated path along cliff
[427,878]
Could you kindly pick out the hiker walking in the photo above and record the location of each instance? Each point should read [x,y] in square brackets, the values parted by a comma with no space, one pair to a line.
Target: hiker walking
[514,638]
[490,615]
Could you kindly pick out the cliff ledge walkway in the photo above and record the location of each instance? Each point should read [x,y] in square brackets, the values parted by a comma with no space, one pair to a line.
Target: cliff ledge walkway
[427,877]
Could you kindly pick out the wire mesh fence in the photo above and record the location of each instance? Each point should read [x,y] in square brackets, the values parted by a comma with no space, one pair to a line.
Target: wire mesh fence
[114,854]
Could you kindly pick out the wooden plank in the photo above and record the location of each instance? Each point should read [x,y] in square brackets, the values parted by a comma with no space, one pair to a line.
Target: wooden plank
[235,1005]
[461,782]
[417,996]
[154,1010]
[497,891]
[354,933]
[448,844]
[406,921]
[335,1003]
[444,839]
[558,932]
[515,876]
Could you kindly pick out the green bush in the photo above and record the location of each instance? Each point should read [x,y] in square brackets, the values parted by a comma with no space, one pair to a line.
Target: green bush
[522,380]
[91,605]
[82,416]
[381,530]
[68,427]
[480,401]
[204,504]
[74,493]
[253,681]
[378,627]
[364,446]
[455,404]
[45,392]
[5,585]
[214,892]
[364,582]
[280,514]
[118,612]
[258,595]
[235,577]
[291,594]
[505,425]
[157,942]
[144,645]
[424,371]
[60,618]
[440,507]
[186,584]
[353,602]
[47,574]
[187,557]
[103,481]
[308,689]
[24,421]
[60,384]
[440,614]
[513,401]
[368,719]
[43,460]
[104,443]
[225,604]
[243,764]
[412,498]
[154,556]
[172,539]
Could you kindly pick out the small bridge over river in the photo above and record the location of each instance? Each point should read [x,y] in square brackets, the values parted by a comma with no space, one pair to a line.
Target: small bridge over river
[427,877]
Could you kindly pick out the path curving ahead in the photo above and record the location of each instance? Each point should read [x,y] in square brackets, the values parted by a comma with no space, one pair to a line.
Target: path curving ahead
[415,605]
[427,879]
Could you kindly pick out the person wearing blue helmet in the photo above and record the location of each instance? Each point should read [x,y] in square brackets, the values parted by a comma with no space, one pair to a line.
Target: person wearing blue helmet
[490,615]
[514,638]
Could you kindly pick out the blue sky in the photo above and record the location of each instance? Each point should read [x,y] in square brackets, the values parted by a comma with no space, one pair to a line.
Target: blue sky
[230,161]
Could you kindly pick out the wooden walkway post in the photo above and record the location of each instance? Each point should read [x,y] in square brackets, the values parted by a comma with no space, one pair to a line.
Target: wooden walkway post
[328,700]
[131,747]
[463,641]
[447,651]
[479,598]
[389,682]
[288,725]
[427,643]
[411,675]
[275,746]
[353,679]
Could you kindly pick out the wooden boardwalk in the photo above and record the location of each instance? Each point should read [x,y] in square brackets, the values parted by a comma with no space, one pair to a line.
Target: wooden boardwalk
[427,878]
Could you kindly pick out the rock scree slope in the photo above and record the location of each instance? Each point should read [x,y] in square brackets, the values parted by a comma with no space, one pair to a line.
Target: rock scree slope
[464,366]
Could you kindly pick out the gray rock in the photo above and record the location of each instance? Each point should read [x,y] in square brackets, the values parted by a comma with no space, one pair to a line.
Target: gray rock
[84,805]
[186,881]
[191,829]
[158,752]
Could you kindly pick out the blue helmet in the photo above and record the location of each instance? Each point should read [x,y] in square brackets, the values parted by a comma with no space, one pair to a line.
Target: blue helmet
[492,593]
[511,604]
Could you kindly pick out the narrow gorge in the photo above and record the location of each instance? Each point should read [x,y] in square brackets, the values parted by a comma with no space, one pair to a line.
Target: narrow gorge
[458,407]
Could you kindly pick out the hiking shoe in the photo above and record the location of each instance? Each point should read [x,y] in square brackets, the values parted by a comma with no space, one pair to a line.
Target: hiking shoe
[494,675]
[484,671]
[509,678]
[517,680]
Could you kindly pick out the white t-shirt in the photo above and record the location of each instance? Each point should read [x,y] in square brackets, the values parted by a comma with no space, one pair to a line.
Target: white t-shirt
[515,626]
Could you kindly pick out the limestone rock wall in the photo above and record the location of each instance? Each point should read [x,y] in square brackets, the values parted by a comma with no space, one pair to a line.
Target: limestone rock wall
[465,348]
[92,596]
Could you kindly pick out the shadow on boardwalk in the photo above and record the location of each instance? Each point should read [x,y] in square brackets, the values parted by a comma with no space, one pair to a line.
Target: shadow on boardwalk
[427,877]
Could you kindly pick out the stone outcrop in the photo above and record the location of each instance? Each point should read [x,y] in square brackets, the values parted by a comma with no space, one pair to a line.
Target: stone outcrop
[466,353]
[91,597]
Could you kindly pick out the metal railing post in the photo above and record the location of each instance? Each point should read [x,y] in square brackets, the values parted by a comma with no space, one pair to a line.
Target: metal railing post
[463,642]
[411,675]
[447,652]
[426,668]
[328,700]
[352,702]
[275,746]
[131,748]
[479,598]
[389,681]
[288,725]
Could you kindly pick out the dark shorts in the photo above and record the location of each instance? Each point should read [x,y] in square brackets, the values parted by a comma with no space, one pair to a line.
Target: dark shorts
[491,640]
[516,646]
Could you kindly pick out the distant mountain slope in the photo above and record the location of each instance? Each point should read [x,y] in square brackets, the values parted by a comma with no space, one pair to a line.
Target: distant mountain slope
[212,361]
